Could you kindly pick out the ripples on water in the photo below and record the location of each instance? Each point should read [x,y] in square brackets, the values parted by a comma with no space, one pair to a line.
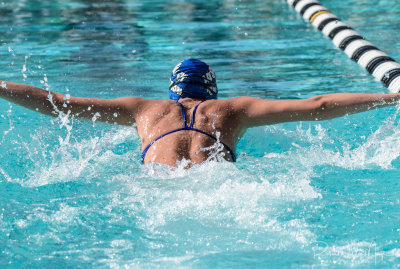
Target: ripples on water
[73,194]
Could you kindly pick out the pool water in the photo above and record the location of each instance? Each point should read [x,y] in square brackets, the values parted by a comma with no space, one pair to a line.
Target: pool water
[73,194]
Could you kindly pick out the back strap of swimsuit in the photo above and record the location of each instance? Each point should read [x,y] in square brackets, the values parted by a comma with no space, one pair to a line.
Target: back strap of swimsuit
[158,138]
[233,156]
[188,128]
[193,114]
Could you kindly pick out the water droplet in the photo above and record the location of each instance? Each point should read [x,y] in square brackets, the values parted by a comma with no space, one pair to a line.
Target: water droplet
[133,51]
[89,108]
[4,84]
[115,114]
[337,21]
[387,75]
[67,97]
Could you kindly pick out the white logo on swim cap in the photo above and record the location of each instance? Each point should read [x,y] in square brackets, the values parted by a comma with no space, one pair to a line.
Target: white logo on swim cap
[176,68]
[181,76]
[208,83]
[176,89]
[212,90]
[210,77]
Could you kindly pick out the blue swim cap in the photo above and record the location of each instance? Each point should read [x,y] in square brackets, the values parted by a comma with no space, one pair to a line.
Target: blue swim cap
[194,79]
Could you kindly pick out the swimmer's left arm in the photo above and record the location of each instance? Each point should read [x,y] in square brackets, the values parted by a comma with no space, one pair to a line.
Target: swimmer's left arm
[121,110]
[256,111]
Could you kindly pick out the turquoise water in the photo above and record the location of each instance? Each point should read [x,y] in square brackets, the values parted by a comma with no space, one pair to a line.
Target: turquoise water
[313,194]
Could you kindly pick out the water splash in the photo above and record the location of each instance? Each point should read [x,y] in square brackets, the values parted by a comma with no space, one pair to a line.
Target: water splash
[10,121]
[23,71]
[180,216]
[73,160]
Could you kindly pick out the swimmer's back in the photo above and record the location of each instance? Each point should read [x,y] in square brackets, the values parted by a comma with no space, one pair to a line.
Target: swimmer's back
[158,117]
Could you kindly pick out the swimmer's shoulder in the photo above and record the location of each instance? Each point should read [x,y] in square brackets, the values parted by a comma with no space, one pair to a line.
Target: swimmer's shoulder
[156,105]
[236,103]
[143,102]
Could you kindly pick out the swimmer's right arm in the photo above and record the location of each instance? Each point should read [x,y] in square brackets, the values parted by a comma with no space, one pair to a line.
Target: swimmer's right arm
[121,111]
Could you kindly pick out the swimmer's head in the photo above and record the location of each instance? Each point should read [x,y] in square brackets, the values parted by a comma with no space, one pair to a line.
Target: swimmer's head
[194,79]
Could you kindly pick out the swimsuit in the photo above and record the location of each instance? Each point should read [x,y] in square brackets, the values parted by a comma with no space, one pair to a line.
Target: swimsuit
[188,128]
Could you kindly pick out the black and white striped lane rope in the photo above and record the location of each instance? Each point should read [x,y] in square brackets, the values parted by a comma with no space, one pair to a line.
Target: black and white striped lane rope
[356,47]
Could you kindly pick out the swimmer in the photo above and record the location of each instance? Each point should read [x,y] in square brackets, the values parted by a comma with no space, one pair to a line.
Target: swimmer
[189,124]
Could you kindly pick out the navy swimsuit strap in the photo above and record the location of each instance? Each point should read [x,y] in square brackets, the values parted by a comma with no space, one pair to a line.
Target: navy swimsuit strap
[188,128]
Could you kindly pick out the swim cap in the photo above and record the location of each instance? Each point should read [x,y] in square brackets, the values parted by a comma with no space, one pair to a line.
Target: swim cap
[194,79]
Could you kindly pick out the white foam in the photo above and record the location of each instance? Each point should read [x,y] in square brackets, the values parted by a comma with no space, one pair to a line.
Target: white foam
[252,204]
[310,147]
[217,198]
[72,160]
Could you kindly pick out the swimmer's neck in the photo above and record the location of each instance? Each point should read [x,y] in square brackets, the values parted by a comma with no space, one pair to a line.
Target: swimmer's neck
[190,99]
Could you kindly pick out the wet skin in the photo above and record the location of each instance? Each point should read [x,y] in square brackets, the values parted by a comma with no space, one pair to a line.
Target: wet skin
[212,116]
[225,119]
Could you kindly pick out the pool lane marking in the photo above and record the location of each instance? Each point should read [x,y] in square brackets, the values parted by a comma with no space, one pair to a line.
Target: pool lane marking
[317,14]
[354,45]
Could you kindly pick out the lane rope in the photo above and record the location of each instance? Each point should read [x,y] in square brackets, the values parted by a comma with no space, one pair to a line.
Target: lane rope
[356,47]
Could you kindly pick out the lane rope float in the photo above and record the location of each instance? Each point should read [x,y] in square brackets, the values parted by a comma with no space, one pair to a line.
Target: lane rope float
[376,62]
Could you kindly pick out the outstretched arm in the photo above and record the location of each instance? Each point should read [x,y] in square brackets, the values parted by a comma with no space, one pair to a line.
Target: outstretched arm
[120,110]
[256,111]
